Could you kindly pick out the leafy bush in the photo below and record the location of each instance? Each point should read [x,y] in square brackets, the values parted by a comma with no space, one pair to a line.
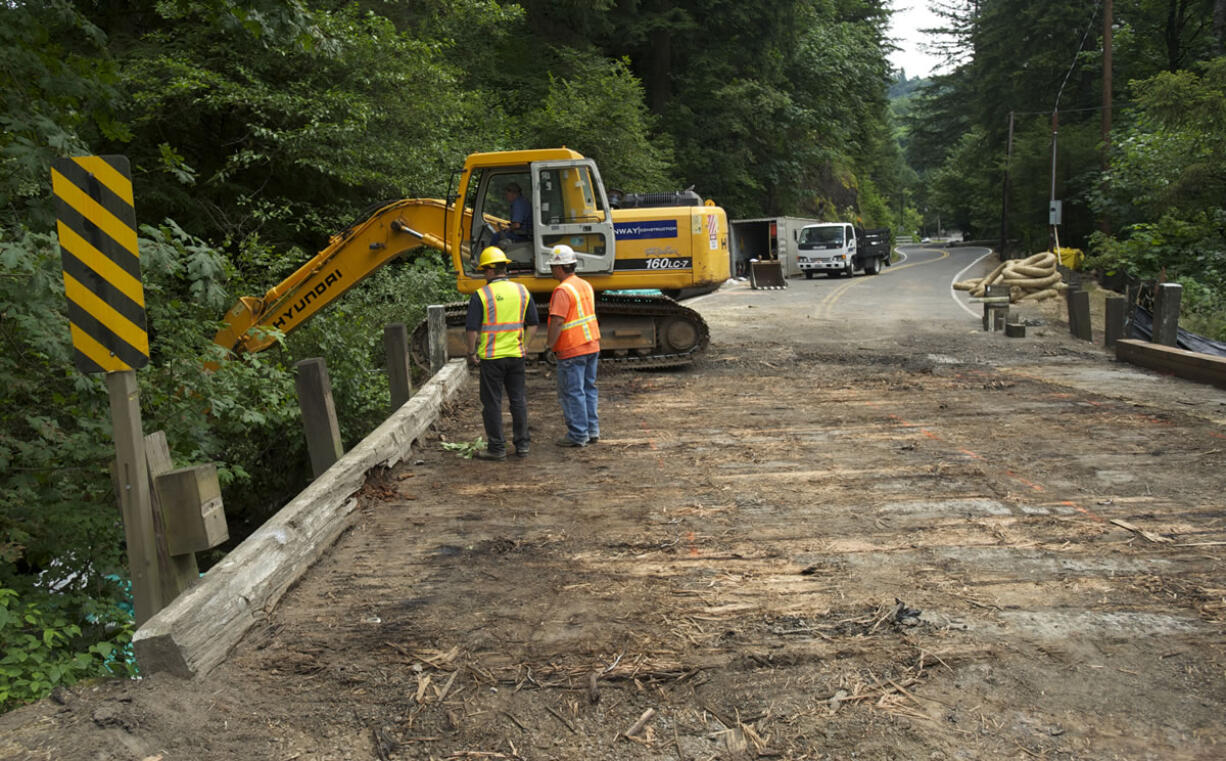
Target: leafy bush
[43,649]
[1167,182]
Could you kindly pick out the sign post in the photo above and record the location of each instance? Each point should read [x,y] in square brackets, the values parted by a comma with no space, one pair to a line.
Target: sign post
[96,222]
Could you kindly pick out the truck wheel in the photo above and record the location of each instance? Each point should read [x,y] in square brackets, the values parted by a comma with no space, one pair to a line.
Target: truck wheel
[872,267]
[850,271]
[808,274]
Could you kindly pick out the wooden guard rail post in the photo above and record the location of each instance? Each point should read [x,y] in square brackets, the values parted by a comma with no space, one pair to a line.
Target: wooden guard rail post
[1116,315]
[323,433]
[1079,315]
[436,320]
[399,376]
[1166,313]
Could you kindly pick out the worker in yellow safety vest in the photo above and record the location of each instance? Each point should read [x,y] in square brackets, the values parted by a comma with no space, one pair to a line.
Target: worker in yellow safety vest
[574,337]
[502,319]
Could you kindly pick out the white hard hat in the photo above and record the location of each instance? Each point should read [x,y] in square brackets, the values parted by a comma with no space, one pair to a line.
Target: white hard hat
[562,254]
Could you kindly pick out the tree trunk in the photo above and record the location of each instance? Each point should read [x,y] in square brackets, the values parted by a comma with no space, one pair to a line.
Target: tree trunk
[1219,26]
[660,72]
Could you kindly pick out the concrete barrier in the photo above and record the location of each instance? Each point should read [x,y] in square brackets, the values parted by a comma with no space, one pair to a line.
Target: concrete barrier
[194,633]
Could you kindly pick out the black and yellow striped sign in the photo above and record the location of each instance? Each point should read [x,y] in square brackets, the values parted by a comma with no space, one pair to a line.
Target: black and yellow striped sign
[97,227]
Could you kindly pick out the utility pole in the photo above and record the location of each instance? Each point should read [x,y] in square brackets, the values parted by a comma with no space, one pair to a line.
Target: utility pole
[1004,205]
[1108,12]
[1055,145]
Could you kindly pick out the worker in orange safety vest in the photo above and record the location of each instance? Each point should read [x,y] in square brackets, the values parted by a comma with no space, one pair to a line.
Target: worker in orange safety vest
[574,337]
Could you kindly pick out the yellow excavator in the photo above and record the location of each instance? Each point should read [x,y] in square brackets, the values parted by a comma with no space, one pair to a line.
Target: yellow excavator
[628,246]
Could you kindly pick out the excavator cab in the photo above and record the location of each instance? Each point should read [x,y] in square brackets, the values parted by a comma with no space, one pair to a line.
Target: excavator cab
[567,205]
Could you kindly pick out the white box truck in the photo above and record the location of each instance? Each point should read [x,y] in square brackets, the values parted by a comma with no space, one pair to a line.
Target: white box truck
[765,239]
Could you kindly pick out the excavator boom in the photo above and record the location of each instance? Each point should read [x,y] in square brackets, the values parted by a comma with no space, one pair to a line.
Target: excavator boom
[350,256]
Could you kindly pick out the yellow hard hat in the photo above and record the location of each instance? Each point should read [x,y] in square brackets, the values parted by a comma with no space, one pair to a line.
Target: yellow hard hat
[492,255]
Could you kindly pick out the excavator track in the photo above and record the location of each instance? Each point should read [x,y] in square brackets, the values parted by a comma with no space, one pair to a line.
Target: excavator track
[673,322]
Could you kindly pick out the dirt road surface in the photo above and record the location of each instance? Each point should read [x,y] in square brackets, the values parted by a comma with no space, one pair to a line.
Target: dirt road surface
[861,529]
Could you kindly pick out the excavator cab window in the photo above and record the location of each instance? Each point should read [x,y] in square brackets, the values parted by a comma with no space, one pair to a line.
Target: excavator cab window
[502,215]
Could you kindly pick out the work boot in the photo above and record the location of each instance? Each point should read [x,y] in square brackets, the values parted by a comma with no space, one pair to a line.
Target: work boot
[593,439]
[521,451]
[567,441]
[485,454]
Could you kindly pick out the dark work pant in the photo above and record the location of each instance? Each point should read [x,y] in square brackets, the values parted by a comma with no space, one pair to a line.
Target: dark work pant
[495,374]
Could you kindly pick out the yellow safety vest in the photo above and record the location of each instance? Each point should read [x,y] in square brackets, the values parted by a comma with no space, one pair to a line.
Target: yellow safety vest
[503,306]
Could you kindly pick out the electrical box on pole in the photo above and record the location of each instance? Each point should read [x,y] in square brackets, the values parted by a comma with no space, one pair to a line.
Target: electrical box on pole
[1054,212]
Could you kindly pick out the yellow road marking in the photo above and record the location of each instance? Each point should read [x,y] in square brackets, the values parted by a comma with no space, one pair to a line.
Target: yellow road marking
[826,306]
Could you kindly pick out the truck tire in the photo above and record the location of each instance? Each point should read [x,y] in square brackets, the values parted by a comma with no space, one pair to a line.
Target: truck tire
[808,274]
[850,271]
[872,266]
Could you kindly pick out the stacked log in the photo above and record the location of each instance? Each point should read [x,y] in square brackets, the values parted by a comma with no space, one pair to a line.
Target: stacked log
[1035,278]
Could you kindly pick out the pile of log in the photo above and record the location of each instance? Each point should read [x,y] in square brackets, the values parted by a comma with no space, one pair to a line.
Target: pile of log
[1035,278]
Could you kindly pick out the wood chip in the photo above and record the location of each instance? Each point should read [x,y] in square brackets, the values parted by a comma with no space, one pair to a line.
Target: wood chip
[562,719]
[637,727]
[1151,536]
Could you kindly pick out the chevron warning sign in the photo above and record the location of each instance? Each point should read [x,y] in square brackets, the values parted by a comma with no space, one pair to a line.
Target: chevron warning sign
[97,228]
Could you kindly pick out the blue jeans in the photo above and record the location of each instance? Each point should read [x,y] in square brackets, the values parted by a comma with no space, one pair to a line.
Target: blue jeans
[577,393]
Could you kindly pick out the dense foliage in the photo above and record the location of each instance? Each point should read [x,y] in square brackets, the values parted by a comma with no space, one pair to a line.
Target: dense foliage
[1158,210]
[256,128]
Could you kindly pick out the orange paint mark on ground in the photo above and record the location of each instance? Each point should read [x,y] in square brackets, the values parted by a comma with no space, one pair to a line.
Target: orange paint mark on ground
[1084,511]
[1019,479]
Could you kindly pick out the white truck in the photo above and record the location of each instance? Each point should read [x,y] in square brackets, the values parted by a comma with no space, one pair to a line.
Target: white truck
[840,248]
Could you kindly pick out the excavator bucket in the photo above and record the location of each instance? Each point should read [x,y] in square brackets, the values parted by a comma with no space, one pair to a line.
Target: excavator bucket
[767,275]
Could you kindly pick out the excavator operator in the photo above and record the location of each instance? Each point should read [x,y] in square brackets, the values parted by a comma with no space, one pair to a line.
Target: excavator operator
[520,227]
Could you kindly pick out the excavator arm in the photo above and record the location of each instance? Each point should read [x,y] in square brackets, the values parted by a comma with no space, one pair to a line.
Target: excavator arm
[350,257]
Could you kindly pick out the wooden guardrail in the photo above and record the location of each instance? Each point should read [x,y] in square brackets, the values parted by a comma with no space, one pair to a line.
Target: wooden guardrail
[1203,368]
[195,632]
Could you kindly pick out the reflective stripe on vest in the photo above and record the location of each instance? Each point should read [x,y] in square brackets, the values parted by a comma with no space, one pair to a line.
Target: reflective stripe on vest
[580,326]
[504,304]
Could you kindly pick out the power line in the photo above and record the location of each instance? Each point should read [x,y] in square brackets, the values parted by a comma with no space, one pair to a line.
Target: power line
[1080,46]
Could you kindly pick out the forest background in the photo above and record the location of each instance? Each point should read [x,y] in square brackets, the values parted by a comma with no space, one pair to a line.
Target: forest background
[257,128]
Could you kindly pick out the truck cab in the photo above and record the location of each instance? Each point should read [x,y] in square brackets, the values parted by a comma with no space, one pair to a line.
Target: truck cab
[829,247]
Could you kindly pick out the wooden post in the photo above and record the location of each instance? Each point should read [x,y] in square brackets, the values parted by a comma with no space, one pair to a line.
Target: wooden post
[1069,293]
[132,491]
[1079,315]
[323,433]
[178,572]
[399,377]
[1166,313]
[1116,315]
[436,319]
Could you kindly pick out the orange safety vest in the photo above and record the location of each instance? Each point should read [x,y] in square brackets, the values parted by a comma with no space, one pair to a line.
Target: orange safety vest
[504,304]
[580,327]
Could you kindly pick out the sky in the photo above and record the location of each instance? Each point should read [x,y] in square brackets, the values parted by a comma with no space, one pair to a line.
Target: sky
[909,17]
